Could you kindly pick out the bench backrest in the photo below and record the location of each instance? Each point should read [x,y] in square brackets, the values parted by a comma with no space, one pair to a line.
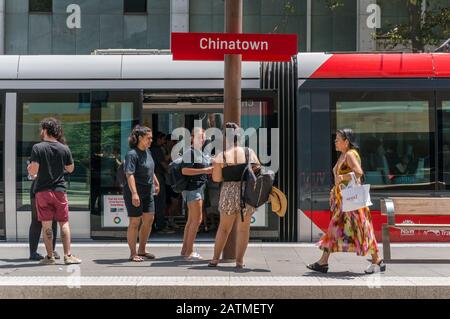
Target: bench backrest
[417,206]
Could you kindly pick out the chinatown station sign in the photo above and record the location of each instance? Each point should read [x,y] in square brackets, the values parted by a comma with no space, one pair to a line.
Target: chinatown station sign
[213,46]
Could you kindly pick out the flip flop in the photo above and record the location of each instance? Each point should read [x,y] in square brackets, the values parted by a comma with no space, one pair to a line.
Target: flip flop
[147,255]
[136,259]
[213,264]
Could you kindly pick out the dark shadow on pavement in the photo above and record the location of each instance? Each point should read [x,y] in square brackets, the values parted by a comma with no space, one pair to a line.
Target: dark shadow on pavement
[417,261]
[20,263]
[114,261]
[21,260]
[230,269]
[338,274]
[158,262]
[169,258]
[179,262]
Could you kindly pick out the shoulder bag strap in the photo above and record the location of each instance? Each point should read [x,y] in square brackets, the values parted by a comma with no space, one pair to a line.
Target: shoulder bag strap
[243,184]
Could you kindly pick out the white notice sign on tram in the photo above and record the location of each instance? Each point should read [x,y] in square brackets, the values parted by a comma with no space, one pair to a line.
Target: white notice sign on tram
[114,211]
[259,218]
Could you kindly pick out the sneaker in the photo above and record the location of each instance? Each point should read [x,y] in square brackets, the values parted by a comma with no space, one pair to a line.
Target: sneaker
[372,268]
[48,261]
[71,260]
[36,256]
[56,255]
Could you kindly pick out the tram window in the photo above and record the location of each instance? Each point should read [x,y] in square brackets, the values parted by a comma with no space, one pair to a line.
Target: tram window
[74,113]
[135,6]
[394,139]
[446,141]
[40,5]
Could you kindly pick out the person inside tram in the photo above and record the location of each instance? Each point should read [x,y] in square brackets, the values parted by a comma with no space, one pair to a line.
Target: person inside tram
[405,166]
[371,159]
[173,199]
[109,163]
[161,169]
[446,161]
[389,151]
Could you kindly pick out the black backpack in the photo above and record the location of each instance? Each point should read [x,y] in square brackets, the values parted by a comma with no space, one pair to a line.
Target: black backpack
[177,180]
[255,187]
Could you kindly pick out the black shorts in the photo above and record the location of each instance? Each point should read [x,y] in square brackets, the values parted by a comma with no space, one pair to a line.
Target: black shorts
[170,193]
[147,201]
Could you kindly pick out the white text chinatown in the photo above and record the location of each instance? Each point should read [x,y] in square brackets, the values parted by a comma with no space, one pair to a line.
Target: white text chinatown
[217,44]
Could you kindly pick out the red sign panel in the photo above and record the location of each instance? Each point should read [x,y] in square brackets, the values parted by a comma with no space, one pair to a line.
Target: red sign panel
[213,46]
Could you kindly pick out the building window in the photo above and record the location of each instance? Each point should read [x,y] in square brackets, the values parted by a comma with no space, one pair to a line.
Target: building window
[40,6]
[135,6]
[395,135]
[333,29]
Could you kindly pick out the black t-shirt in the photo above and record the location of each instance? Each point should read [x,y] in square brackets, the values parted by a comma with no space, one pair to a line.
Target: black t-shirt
[52,158]
[140,164]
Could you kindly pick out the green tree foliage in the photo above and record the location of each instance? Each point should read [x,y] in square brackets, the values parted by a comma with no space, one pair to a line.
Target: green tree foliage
[424,27]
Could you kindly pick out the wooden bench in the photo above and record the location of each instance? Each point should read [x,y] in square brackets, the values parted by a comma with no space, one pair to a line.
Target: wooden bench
[395,206]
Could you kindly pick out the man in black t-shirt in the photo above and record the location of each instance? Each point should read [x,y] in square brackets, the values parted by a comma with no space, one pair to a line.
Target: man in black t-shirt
[50,159]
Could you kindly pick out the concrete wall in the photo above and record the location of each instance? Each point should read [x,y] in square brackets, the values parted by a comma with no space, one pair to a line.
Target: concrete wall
[179,15]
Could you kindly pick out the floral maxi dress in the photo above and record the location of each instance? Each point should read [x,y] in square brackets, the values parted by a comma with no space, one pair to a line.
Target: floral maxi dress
[348,231]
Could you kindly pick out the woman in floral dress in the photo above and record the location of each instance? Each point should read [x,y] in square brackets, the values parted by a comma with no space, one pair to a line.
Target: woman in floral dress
[348,231]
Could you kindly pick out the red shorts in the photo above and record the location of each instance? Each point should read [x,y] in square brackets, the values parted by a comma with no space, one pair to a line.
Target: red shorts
[52,205]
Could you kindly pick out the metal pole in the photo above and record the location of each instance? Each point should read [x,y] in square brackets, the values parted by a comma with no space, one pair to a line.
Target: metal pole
[2,27]
[232,94]
[10,166]
[233,62]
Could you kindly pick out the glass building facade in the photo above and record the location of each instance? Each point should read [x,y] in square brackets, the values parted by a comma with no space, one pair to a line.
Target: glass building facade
[81,26]
[103,24]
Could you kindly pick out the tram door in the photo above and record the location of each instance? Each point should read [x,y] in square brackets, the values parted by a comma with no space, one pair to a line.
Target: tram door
[113,115]
[2,176]
[166,112]
[166,118]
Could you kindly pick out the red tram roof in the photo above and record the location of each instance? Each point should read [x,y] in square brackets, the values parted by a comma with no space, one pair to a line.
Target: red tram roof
[374,65]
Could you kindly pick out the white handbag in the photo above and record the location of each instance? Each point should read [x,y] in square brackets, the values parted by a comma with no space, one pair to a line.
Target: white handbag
[355,196]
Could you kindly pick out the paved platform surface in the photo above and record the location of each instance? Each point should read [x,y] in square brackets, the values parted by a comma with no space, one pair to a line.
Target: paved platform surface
[272,271]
